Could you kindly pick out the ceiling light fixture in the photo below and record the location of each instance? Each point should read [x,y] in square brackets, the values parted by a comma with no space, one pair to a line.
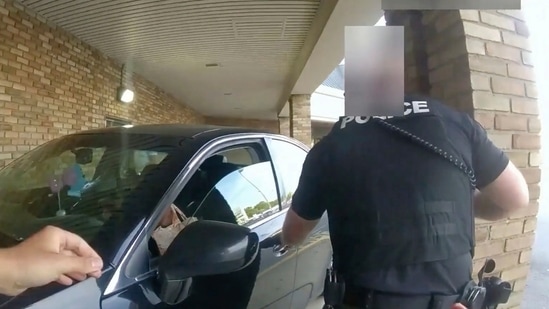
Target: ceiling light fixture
[124,93]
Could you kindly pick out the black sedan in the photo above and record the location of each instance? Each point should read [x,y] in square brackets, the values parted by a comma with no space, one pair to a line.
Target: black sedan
[112,186]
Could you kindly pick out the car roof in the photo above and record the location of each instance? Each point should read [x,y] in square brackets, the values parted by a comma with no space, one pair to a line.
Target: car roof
[180,130]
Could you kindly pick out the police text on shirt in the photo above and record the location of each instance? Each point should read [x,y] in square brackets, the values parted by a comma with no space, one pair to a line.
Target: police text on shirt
[415,107]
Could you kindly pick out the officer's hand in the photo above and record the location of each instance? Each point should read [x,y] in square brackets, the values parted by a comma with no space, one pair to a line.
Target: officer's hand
[458,306]
[50,255]
[271,241]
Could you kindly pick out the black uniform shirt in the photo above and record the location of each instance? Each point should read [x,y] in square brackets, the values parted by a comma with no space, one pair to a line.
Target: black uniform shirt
[320,189]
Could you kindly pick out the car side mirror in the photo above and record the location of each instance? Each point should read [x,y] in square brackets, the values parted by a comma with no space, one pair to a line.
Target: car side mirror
[204,248]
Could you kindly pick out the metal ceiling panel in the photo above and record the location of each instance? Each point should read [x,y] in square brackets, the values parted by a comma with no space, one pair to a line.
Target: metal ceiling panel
[256,41]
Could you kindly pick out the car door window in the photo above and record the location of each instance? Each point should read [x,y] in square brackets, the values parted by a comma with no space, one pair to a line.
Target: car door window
[288,160]
[239,193]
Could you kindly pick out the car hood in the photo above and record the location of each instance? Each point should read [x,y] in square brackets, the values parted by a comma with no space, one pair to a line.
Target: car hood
[29,297]
[55,296]
[86,293]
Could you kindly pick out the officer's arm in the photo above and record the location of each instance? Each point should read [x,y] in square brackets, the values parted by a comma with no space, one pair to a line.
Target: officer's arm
[506,194]
[501,187]
[308,201]
[296,229]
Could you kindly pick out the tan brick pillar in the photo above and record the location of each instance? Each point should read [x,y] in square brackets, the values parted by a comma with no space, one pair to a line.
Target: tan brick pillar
[284,125]
[480,62]
[300,118]
[416,77]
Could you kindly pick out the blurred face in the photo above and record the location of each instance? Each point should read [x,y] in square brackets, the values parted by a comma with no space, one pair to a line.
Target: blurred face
[375,74]
[384,77]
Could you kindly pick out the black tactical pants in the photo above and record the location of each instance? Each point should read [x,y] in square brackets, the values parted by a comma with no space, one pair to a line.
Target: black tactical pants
[359,298]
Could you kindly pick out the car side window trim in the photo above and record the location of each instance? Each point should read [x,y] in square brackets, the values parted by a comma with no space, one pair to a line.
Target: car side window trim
[188,171]
[270,137]
[279,188]
[276,167]
[121,279]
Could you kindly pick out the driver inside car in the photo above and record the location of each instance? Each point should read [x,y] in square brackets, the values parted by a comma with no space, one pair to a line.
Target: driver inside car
[200,199]
[173,221]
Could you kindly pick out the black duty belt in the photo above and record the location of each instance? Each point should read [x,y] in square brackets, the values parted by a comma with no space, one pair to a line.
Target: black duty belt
[369,299]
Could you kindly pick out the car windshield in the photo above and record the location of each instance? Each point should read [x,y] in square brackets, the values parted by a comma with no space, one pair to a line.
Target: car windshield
[77,182]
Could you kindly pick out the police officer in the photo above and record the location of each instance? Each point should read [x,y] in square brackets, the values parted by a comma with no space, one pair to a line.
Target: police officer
[400,208]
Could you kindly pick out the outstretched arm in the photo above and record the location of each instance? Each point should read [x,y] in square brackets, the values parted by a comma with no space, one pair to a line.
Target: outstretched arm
[308,202]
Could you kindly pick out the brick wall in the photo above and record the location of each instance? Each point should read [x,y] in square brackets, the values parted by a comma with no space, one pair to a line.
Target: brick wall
[267,125]
[52,84]
[480,62]
[300,118]
[416,77]
[505,102]
[284,125]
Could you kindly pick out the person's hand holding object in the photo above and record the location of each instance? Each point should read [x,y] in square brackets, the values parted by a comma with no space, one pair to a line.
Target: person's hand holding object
[51,254]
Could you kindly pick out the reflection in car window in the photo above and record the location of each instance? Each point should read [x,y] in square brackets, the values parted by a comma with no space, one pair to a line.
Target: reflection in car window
[71,182]
[135,161]
[36,175]
[288,160]
[250,192]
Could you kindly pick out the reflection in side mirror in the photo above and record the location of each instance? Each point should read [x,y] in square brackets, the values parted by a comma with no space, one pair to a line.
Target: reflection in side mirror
[201,249]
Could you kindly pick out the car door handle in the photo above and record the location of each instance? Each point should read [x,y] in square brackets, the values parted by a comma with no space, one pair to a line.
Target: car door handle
[272,240]
[280,250]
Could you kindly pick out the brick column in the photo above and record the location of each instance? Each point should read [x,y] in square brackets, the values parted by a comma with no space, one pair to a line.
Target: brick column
[300,118]
[416,77]
[284,125]
[480,62]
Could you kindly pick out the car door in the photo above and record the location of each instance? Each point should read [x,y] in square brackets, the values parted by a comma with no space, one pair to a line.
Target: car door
[245,178]
[315,254]
[253,196]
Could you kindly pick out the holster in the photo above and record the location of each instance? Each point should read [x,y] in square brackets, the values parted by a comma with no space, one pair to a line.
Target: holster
[488,294]
[473,296]
[334,289]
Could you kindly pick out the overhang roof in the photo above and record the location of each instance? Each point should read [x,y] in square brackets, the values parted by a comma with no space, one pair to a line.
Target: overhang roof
[336,79]
[224,58]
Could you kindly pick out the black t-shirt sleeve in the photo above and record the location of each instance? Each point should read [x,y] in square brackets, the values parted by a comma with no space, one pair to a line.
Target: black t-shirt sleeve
[308,200]
[488,160]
